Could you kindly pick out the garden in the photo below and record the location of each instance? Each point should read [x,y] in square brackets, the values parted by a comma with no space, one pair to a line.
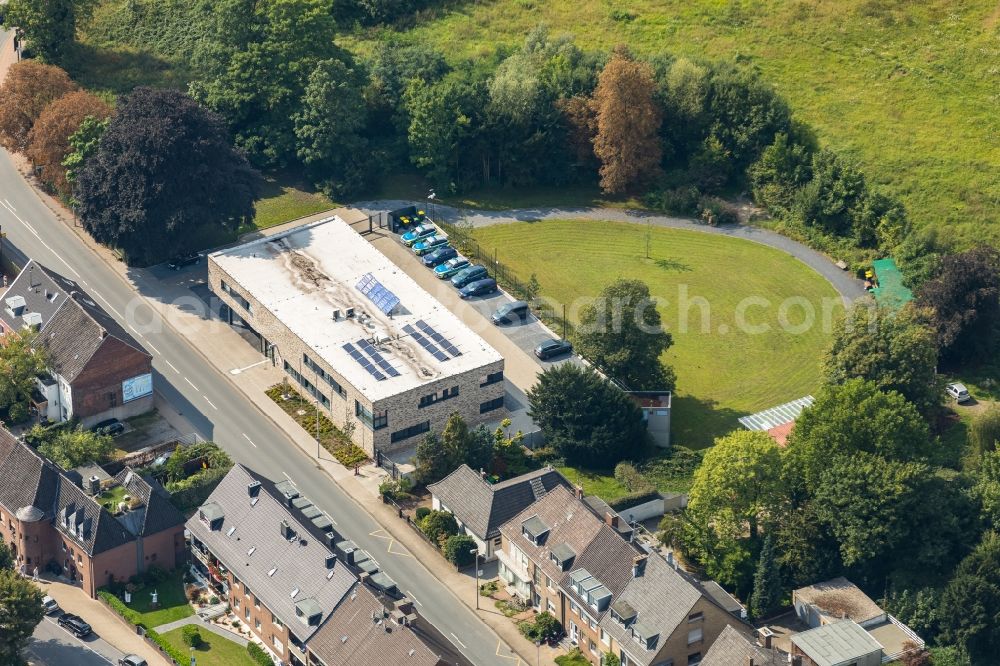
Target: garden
[209,649]
[337,442]
[172,601]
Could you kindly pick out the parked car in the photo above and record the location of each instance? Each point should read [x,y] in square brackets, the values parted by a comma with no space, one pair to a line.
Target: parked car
[958,392]
[470,274]
[478,288]
[131,660]
[182,261]
[49,605]
[74,624]
[429,244]
[450,267]
[552,348]
[111,427]
[439,256]
[508,313]
[417,233]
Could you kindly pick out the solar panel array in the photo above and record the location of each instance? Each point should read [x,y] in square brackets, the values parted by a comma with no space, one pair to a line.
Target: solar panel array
[362,361]
[438,338]
[369,349]
[425,343]
[376,292]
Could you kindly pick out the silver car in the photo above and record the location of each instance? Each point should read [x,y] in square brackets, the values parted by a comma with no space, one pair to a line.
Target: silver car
[958,392]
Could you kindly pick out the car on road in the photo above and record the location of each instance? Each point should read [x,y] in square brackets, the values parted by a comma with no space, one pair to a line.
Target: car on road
[553,348]
[74,624]
[958,392]
[110,427]
[508,313]
[429,244]
[450,267]
[417,233]
[478,288]
[470,274]
[131,660]
[439,256]
[182,261]
[49,605]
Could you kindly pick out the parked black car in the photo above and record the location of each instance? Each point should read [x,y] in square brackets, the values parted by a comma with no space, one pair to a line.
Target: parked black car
[470,274]
[439,256]
[74,624]
[508,313]
[112,427]
[552,348]
[181,261]
[479,288]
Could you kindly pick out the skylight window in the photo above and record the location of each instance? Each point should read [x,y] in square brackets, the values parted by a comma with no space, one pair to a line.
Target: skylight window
[271,572]
[252,549]
[231,530]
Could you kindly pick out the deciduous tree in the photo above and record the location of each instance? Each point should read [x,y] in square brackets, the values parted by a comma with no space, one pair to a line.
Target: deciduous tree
[49,140]
[984,431]
[164,170]
[20,612]
[72,448]
[83,144]
[6,558]
[21,361]
[28,88]
[970,604]
[49,25]
[628,121]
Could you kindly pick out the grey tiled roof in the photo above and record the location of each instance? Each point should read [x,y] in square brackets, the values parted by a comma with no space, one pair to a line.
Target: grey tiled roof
[100,533]
[483,507]
[299,564]
[158,512]
[608,558]
[733,648]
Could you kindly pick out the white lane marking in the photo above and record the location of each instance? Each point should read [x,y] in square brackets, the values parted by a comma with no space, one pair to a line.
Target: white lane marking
[95,293]
[10,205]
[135,331]
[414,597]
[255,446]
[150,345]
[458,641]
[172,367]
[210,402]
[6,204]
[285,474]
[191,383]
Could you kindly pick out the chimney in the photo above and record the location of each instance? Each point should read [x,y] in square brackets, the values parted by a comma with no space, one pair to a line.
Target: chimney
[287,533]
[611,519]
[579,492]
[253,488]
[482,474]
[750,661]
[638,565]
[330,561]
[404,606]
[93,486]
[765,637]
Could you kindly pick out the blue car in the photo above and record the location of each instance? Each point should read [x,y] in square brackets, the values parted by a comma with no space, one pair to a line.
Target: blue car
[467,275]
[439,256]
[429,244]
[417,233]
[450,267]
[478,288]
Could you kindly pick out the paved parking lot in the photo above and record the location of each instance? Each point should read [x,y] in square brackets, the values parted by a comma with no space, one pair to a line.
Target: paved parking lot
[51,645]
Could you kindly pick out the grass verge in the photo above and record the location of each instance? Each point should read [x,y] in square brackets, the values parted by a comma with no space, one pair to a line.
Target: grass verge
[333,439]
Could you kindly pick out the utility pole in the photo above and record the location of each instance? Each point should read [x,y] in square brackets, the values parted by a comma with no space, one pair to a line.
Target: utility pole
[316,402]
[475,552]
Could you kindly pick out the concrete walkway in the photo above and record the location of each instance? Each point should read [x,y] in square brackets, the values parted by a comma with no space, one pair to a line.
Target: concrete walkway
[844,282]
[210,626]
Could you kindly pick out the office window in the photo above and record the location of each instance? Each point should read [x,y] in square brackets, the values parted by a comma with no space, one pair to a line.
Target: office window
[694,636]
[242,302]
[433,398]
[307,385]
[324,375]
[490,405]
[380,419]
[491,378]
[412,431]
[363,413]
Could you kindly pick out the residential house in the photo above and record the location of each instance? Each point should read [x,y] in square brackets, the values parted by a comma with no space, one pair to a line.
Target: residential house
[481,507]
[96,369]
[734,648]
[838,643]
[53,525]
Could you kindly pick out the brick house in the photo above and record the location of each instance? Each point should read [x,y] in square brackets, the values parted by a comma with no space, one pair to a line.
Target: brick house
[96,369]
[52,524]
[609,595]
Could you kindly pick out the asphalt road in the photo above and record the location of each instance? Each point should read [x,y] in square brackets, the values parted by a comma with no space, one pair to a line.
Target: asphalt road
[51,645]
[222,414]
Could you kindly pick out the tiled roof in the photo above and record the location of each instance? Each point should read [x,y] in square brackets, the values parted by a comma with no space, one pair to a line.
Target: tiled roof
[25,480]
[87,522]
[608,558]
[158,512]
[733,648]
[281,572]
[351,636]
[483,507]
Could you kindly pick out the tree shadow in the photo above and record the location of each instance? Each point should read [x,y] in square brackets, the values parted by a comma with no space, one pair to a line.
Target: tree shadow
[697,422]
[119,70]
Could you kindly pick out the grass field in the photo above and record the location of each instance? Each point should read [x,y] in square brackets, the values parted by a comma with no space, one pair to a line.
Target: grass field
[910,89]
[173,605]
[722,372]
[214,651]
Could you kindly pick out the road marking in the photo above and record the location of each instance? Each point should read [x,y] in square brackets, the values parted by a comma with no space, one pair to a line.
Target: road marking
[236,371]
[10,205]
[95,293]
[136,332]
[6,204]
[392,542]
[515,658]
[414,597]
[210,402]
[459,642]
[172,367]
[285,474]
[255,446]
[191,383]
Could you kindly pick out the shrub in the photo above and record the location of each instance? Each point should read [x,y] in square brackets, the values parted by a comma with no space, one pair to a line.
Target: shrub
[717,212]
[213,600]
[191,636]
[166,647]
[632,499]
[458,549]
[545,628]
[396,489]
[678,200]
[258,655]
[118,606]
[154,575]
[437,524]
[633,480]
[422,512]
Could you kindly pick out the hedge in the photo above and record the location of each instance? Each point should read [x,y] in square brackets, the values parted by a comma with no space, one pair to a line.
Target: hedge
[167,648]
[257,653]
[118,606]
[132,618]
[633,499]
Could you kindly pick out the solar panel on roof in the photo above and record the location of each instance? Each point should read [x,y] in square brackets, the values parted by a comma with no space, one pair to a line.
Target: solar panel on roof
[425,343]
[376,292]
[362,361]
[438,338]
[378,358]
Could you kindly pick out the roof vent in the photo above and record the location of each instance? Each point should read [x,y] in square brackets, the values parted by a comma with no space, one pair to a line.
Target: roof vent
[287,533]
[271,572]
[343,639]
[251,551]
[295,593]
[412,652]
[230,531]
[330,561]
[253,488]
[349,313]
[336,315]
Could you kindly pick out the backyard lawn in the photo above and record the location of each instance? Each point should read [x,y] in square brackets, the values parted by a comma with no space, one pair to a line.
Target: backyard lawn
[214,651]
[723,372]
[172,603]
[283,201]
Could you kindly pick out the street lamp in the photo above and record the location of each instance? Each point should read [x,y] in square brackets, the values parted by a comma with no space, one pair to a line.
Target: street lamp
[316,402]
[475,552]
[538,652]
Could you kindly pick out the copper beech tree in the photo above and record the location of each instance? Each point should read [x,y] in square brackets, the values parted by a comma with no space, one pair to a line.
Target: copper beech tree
[49,140]
[29,88]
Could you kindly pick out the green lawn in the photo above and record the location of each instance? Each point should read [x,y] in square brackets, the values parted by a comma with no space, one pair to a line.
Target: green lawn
[284,200]
[722,372]
[172,603]
[214,651]
[907,88]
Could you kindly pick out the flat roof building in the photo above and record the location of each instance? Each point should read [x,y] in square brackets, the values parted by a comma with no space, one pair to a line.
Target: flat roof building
[357,334]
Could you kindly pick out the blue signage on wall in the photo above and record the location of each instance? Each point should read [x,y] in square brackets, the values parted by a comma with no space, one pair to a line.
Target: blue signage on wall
[137,387]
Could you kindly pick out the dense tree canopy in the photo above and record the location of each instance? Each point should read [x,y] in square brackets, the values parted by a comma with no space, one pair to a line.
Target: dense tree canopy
[28,88]
[585,418]
[984,431]
[20,612]
[71,448]
[49,25]
[82,144]
[20,363]
[49,140]
[164,170]
[970,604]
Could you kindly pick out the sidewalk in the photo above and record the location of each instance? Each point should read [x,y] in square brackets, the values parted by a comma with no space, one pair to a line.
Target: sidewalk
[105,623]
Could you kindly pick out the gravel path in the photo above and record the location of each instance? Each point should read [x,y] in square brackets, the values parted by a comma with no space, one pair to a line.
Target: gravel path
[846,285]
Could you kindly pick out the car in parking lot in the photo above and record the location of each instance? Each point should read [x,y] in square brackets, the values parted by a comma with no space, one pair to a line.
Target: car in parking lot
[478,288]
[110,427]
[958,392]
[131,660]
[418,232]
[470,274]
[181,261]
[552,348]
[508,313]
[49,605]
[450,267]
[439,256]
[429,244]
[74,624]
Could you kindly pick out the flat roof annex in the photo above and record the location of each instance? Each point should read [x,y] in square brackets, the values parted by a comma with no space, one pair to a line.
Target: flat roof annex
[302,276]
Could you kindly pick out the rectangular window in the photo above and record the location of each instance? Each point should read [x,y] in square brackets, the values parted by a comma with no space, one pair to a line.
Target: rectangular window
[491,378]
[694,617]
[242,302]
[593,646]
[433,398]
[694,658]
[276,640]
[256,624]
[412,431]
[552,607]
[605,637]
[307,385]
[694,636]
[324,375]
[380,419]
[363,413]
[573,607]
[490,405]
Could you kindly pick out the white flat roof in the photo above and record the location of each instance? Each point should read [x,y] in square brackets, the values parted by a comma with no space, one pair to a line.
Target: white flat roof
[305,274]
